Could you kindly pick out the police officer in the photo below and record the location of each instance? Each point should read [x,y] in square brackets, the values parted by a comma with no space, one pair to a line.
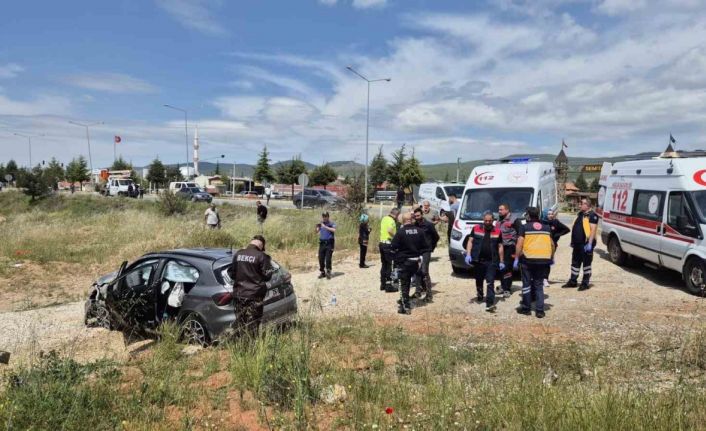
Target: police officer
[485,253]
[250,271]
[408,244]
[583,240]
[388,228]
[509,226]
[327,231]
[432,238]
[535,249]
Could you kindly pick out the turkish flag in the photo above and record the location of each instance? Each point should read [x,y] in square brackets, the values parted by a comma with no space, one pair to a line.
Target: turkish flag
[117,139]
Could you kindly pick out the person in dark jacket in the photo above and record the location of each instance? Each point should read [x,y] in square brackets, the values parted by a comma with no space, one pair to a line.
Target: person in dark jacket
[363,237]
[327,241]
[400,197]
[558,230]
[535,250]
[250,271]
[408,245]
[484,253]
[432,237]
[509,226]
[261,215]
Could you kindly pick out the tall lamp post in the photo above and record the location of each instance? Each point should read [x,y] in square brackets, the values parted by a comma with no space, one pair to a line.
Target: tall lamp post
[186,133]
[29,142]
[367,124]
[88,140]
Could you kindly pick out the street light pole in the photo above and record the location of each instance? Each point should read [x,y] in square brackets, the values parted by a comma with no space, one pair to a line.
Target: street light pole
[367,125]
[186,133]
[29,142]
[458,168]
[88,140]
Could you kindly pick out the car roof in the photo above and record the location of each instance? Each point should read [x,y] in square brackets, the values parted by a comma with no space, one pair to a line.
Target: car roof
[212,254]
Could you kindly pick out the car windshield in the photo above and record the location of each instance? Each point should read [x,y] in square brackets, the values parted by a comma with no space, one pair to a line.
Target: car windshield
[478,201]
[454,190]
[124,182]
[700,200]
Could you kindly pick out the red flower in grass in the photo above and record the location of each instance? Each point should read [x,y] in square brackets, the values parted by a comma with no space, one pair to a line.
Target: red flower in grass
[389,410]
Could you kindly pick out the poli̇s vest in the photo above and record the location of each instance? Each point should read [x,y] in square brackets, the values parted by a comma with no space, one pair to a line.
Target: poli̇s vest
[538,246]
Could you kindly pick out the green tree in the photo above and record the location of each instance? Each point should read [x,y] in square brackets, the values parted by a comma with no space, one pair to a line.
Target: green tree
[377,172]
[263,172]
[120,165]
[156,174]
[77,171]
[411,172]
[3,172]
[394,169]
[581,183]
[288,173]
[323,175]
[355,197]
[172,173]
[594,186]
[217,172]
[54,173]
[33,182]
[11,169]
[446,177]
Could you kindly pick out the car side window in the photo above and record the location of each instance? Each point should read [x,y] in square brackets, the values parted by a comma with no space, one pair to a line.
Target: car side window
[680,217]
[648,204]
[139,276]
[180,272]
[440,194]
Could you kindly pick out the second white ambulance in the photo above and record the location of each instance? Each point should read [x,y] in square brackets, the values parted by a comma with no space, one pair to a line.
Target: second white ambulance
[519,183]
[656,210]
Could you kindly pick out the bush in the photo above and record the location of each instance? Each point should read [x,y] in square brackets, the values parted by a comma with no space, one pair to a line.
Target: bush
[171,204]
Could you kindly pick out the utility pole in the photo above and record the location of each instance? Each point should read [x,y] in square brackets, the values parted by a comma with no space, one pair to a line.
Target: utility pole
[458,169]
[88,140]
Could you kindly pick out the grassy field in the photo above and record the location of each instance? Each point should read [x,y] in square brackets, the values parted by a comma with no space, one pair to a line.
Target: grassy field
[392,379]
[63,242]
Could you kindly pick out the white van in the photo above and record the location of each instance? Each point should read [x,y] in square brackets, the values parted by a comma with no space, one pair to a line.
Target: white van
[656,210]
[118,186]
[519,183]
[175,186]
[438,194]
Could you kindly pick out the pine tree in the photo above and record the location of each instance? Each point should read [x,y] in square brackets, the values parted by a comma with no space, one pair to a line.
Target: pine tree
[77,171]
[394,169]
[172,173]
[263,172]
[411,172]
[156,173]
[11,169]
[33,182]
[323,175]
[594,187]
[54,173]
[377,172]
[581,183]
[120,165]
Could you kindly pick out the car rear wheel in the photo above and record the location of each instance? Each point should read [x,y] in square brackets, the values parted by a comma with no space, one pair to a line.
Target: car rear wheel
[615,251]
[695,276]
[193,331]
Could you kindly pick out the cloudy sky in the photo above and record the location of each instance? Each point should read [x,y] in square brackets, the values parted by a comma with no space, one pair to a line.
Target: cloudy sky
[470,79]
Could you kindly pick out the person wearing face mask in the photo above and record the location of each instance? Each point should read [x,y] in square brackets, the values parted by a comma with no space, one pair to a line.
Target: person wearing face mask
[484,253]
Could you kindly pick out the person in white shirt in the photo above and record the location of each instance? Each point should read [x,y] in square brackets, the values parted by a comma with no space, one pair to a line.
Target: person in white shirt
[213,220]
[268,193]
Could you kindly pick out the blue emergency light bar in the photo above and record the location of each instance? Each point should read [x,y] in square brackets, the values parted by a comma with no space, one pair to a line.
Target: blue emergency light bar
[518,160]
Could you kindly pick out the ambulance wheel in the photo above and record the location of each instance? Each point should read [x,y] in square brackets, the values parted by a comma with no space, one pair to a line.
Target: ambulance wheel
[695,276]
[617,255]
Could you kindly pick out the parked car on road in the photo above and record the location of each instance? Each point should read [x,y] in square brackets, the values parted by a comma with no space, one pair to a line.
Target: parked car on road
[144,294]
[194,194]
[318,198]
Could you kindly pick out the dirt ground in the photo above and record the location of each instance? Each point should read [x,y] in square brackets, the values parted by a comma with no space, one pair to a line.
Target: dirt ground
[624,305]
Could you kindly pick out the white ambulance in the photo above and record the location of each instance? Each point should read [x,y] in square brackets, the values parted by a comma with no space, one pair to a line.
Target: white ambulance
[438,194]
[520,183]
[656,210]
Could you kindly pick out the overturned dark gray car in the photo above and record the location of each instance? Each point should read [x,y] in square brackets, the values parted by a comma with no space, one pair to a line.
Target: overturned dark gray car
[188,286]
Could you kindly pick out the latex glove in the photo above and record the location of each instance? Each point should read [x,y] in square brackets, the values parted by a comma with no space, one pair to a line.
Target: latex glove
[501,266]
[588,248]
[516,264]
[468,260]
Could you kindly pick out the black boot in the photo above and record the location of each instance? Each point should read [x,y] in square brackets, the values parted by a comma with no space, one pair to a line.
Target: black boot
[570,284]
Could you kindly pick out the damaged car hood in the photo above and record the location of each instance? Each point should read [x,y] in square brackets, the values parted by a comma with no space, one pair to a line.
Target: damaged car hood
[107,278]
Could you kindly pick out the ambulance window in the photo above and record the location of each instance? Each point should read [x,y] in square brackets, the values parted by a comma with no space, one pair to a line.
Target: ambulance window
[680,216]
[440,194]
[648,204]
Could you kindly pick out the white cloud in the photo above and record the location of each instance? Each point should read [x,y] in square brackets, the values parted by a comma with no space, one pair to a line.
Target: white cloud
[240,107]
[195,15]
[620,7]
[10,70]
[35,106]
[110,82]
[367,4]
[328,2]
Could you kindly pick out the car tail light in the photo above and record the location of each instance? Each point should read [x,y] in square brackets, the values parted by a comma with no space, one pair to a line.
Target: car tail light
[222,299]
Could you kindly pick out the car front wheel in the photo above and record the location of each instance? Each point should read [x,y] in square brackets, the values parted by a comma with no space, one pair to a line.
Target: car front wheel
[193,331]
[617,255]
[695,276]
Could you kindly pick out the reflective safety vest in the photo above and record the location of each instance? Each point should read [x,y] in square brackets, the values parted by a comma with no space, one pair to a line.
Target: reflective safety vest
[538,246]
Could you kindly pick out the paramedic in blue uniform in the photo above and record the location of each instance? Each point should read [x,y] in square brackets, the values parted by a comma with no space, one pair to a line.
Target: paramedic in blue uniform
[484,253]
[535,249]
[583,241]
